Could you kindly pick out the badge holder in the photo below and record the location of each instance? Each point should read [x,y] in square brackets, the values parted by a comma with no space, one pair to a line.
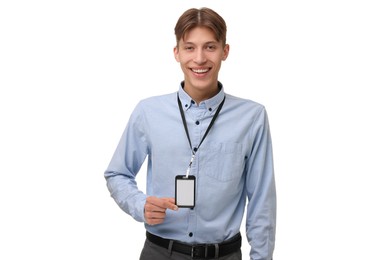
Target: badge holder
[185,191]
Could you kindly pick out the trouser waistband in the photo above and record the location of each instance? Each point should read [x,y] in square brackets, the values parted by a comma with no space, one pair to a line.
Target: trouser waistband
[197,251]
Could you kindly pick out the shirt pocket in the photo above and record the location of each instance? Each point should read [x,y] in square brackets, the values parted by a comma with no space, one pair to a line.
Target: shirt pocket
[225,162]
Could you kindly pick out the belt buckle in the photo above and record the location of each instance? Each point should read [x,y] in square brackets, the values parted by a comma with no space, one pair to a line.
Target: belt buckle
[195,252]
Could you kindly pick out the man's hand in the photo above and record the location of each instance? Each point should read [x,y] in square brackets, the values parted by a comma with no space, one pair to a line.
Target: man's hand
[155,208]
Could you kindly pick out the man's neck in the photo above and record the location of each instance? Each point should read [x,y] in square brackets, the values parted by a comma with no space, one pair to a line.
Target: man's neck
[201,95]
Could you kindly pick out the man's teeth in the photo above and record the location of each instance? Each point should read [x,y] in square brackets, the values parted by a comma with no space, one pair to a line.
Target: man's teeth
[200,70]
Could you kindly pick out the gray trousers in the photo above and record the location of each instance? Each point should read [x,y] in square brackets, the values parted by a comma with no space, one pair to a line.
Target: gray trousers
[155,252]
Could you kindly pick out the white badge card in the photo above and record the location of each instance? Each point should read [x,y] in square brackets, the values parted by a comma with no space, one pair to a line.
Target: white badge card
[185,191]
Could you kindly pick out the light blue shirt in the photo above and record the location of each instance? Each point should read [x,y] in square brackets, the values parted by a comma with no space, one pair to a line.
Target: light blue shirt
[233,166]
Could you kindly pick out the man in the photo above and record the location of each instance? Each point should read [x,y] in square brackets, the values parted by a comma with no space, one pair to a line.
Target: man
[208,154]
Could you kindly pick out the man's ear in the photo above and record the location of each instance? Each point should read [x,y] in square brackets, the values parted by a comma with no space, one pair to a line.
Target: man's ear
[226,50]
[176,53]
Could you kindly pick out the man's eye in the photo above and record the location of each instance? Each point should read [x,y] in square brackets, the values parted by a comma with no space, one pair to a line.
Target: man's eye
[210,47]
[188,48]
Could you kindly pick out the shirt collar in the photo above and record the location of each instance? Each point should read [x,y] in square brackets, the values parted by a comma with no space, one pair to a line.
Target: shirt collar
[211,104]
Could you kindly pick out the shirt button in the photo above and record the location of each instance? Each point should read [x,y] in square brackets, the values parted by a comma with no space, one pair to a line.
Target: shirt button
[192,101]
[195,149]
[190,234]
[186,105]
[197,122]
[210,109]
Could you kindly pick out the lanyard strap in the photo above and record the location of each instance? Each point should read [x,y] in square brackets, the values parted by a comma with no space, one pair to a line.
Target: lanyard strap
[208,128]
[183,118]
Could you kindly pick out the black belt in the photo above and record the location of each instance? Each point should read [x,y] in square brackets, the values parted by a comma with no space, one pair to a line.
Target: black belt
[204,251]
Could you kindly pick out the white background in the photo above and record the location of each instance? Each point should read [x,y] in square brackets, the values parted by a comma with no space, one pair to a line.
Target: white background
[72,71]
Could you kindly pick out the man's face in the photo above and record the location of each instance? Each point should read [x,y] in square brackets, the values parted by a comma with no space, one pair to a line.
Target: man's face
[200,56]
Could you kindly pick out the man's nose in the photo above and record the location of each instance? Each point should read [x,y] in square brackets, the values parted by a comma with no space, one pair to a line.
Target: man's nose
[200,57]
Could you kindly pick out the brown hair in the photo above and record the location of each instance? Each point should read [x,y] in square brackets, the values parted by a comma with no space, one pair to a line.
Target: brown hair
[205,17]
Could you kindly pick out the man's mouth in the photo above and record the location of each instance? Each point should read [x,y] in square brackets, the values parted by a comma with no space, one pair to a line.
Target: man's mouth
[200,71]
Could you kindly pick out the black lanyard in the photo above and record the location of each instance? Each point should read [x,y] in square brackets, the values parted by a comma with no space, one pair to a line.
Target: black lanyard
[208,128]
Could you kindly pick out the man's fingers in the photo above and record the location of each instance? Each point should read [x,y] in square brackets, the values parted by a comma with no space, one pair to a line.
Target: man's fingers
[162,203]
[170,203]
[155,209]
[155,215]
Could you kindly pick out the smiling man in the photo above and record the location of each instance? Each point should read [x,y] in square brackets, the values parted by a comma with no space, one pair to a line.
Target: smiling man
[209,158]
